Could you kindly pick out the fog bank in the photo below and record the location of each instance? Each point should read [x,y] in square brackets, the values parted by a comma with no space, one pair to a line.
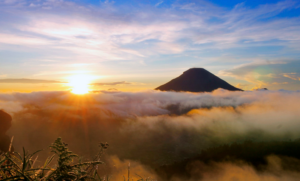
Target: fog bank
[152,128]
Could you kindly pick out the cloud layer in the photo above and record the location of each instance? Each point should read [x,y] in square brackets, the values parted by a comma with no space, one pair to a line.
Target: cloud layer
[153,128]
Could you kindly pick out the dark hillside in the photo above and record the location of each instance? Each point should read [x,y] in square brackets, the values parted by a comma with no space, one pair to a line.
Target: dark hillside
[196,80]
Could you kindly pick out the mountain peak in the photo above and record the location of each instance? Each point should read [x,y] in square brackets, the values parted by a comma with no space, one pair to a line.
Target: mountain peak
[196,71]
[196,80]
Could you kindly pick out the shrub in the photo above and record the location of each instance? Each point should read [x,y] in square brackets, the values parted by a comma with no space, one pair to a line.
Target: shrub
[14,166]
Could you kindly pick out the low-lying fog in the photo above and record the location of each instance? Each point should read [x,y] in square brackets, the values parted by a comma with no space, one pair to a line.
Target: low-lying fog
[156,129]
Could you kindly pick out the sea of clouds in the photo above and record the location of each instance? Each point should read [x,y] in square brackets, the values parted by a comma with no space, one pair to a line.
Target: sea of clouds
[153,128]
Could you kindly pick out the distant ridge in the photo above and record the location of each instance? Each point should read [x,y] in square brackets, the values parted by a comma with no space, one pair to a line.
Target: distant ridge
[196,80]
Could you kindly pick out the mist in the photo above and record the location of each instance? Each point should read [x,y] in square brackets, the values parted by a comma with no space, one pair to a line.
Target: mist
[152,128]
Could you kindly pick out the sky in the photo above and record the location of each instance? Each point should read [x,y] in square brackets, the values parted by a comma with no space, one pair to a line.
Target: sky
[134,45]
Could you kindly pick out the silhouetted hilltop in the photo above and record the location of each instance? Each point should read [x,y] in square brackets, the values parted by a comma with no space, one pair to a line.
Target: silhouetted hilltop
[196,80]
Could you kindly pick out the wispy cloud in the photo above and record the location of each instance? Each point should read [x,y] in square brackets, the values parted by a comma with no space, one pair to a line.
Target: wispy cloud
[111,83]
[293,76]
[247,71]
[117,83]
[28,81]
[104,33]
[262,73]
[159,3]
[279,83]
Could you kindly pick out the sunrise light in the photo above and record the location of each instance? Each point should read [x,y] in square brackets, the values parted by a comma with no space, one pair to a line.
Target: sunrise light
[80,83]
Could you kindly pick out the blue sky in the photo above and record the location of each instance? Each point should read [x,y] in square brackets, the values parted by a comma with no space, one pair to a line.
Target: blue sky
[250,44]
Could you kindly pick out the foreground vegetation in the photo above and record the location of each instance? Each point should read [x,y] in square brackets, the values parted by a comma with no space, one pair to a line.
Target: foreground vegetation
[15,166]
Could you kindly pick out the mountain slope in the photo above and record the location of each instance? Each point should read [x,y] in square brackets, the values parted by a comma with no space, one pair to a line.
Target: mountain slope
[196,80]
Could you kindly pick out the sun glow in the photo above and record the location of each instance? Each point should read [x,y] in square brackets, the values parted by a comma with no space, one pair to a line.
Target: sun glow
[80,83]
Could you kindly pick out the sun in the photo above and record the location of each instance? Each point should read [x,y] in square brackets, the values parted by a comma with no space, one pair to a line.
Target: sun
[80,83]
